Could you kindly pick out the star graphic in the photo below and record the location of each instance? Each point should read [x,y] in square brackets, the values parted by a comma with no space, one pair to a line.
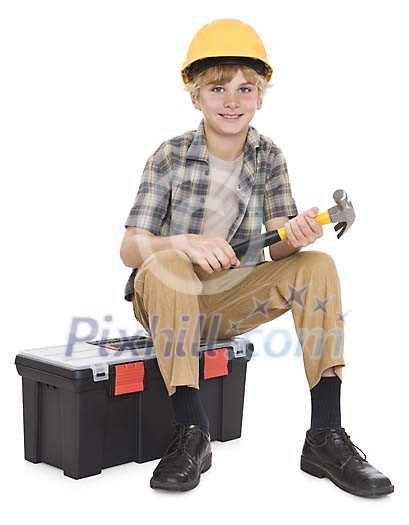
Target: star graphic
[320,305]
[341,317]
[259,307]
[233,326]
[295,296]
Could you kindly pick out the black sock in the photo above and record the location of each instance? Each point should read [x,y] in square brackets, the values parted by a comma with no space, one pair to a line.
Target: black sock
[325,403]
[188,408]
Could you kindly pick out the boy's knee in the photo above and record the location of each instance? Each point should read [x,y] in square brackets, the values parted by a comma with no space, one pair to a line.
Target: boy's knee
[318,261]
[172,268]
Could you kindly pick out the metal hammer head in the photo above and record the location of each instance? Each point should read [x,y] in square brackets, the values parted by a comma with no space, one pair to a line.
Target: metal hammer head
[343,214]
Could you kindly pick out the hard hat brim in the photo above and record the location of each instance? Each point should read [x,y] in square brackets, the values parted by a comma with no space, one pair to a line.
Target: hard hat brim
[199,66]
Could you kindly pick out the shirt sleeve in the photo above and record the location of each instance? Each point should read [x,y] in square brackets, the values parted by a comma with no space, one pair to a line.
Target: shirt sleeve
[278,199]
[153,197]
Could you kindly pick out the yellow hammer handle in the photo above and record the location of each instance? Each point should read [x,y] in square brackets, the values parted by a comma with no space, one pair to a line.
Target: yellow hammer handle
[322,218]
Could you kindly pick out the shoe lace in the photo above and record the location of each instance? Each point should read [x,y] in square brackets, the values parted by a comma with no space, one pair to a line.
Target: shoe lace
[343,440]
[181,437]
[186,437]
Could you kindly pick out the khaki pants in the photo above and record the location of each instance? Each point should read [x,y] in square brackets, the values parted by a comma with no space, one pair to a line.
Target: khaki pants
[180,304]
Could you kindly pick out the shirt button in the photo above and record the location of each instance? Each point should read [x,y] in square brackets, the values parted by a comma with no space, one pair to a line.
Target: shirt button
[202,200]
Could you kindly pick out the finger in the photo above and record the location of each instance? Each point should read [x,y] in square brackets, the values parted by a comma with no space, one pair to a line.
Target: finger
[231,254]
[302,233]
[214,262]
[315,226]
[312,212]
[291,240]
[206,267]
[224,258]
[304,226]
[298,234]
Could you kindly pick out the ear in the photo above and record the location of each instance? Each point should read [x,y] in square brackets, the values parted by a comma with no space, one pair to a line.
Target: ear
[195,99]
[259,101]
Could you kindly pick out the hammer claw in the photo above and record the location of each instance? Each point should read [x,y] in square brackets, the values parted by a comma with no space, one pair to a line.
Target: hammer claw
[340,226]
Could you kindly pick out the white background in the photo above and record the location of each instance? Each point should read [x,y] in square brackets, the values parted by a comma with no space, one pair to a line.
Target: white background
[89,89]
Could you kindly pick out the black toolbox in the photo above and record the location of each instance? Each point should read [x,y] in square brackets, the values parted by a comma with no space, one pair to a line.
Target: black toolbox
[103,403]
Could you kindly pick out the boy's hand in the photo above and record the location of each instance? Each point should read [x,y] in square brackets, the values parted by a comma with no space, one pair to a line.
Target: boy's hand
[210,253]
[303,229]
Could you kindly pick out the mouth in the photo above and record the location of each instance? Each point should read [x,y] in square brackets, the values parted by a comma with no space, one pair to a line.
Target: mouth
[227,116]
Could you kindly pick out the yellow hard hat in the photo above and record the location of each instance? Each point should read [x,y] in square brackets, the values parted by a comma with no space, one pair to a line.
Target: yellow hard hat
[226,41]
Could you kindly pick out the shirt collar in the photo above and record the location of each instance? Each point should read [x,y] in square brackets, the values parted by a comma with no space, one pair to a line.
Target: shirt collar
[198,148]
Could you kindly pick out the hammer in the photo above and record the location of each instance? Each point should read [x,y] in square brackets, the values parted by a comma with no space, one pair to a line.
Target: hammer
[342,214]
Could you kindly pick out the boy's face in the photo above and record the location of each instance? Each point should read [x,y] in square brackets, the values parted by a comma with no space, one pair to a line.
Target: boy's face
[239,98]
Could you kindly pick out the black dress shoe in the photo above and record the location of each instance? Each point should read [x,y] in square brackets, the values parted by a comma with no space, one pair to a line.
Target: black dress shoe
[331,454]
[186,457]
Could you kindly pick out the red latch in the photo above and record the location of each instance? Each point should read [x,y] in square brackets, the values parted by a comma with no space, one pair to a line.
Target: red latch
[129,378]
[215,363]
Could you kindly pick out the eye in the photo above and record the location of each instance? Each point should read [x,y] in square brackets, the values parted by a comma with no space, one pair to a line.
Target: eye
[217,89]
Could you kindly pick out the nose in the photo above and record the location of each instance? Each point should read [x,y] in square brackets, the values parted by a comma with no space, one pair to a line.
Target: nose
[231,101]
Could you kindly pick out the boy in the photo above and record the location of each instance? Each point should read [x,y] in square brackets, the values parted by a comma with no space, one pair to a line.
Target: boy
[201,193]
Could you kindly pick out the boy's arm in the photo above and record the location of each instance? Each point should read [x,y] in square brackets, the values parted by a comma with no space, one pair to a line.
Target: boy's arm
[138,244]
[280,249]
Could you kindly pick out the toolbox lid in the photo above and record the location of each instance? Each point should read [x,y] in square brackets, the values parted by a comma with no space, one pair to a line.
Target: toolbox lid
[99,355]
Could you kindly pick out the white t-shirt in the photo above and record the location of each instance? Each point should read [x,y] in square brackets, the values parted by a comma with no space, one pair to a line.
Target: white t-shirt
[222,202]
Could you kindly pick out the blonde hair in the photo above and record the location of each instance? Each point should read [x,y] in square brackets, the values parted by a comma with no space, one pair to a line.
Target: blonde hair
[223,74]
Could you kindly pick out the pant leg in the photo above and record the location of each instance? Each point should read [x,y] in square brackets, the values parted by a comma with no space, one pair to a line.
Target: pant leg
[166,300]
[306,282]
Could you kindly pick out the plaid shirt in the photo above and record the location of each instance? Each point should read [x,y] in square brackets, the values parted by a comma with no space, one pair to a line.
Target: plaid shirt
[172,193]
